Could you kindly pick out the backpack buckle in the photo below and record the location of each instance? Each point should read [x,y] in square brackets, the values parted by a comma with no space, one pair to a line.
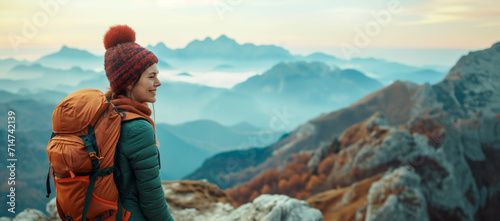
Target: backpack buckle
[93,156]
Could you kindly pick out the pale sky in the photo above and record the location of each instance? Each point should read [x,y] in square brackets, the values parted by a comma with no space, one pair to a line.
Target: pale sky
[298,25]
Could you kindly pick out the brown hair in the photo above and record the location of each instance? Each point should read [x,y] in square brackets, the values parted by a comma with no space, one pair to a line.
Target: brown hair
[110,94]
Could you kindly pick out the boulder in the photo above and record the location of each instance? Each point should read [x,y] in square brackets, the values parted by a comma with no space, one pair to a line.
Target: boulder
[31,215]
[274,207]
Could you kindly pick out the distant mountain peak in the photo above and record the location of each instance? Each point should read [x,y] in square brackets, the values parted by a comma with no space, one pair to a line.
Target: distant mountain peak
[484,62]
[223,37]
[406,84]
[351,71]
[65,49]
[320,54]
[68,57]
[68,51]
[496,45]
[160,45]
[225,40]
[160,49]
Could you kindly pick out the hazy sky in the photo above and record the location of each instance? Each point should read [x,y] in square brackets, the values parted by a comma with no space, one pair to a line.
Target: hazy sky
[298,25]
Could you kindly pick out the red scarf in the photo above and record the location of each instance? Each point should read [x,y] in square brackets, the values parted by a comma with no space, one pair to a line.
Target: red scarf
[125,103]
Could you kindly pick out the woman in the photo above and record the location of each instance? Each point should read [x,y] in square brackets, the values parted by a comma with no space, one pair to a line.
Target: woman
[133,77]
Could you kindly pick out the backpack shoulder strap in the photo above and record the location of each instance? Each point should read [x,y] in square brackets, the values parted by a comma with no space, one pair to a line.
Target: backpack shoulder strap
[128,116]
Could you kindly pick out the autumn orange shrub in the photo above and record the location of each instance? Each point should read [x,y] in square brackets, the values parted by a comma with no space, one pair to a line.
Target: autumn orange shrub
[265,189]
[313,183]
[326,166]
[283,186]
[292,182]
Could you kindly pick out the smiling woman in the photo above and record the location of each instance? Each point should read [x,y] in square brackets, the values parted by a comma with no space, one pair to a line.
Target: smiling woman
[133,76]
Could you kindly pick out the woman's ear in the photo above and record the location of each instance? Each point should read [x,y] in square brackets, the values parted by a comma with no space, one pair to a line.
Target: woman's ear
[129,87]
[128,90]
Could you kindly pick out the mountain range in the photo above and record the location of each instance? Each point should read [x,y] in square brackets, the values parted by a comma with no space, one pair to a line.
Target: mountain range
[222,48]
[35,77]
[225,54]
[407,151]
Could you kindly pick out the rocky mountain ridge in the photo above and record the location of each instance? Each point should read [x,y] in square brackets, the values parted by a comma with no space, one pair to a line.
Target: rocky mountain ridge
[455,97]
[420,152]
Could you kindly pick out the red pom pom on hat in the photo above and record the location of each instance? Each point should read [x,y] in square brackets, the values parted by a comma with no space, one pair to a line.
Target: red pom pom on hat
[118,34]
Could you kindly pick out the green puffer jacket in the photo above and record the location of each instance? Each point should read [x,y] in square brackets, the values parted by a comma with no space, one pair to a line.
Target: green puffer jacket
[139,181]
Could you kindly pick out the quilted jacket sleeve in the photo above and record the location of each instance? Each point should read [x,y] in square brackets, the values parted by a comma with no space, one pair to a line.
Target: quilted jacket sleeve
[142,154]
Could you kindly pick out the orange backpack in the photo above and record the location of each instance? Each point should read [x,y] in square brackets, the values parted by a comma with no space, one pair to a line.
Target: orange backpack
[81,151]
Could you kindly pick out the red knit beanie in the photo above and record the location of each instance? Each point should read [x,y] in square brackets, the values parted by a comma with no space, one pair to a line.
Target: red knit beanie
[124,60]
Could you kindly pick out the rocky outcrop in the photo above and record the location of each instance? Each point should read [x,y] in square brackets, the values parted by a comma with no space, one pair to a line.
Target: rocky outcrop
[397,196]
[51,209]
[36,215]
[444,183]
[194,200]
[28,215]
[344,204]
[433,169]
[273,207]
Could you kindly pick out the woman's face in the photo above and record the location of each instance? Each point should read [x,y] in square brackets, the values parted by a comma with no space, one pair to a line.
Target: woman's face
[145,88]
